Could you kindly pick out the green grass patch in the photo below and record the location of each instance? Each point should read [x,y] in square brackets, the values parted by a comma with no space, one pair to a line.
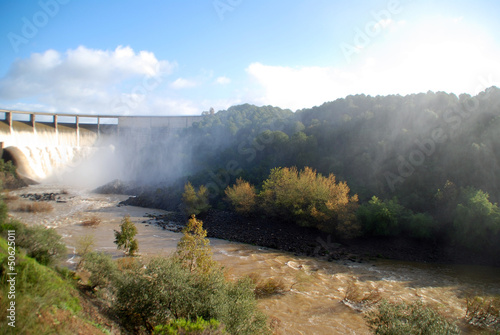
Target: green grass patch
[39,293]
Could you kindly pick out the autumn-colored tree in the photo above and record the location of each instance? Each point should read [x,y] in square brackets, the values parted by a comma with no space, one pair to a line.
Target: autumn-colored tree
[194,248]
[125,238]
[311,199]
[195,202]
[242,196]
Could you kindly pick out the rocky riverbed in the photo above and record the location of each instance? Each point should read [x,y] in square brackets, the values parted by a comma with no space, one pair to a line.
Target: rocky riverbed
[287,236]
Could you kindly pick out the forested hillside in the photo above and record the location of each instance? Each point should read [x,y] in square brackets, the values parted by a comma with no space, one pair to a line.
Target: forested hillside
[422,165]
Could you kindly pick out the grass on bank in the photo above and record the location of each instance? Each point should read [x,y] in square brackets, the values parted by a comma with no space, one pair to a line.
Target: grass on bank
[92,221]
[45,303]
[33,207]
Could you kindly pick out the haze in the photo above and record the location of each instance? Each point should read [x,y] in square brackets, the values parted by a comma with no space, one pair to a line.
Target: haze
[175,58]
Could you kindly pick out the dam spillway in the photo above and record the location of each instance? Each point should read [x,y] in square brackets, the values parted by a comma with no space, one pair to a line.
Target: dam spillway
[42,144]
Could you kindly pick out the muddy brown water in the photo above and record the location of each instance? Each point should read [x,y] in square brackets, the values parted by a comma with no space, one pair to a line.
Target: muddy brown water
[312,303]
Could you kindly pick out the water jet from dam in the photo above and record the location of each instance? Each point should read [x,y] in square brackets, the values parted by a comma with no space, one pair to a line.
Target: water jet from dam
[45,145]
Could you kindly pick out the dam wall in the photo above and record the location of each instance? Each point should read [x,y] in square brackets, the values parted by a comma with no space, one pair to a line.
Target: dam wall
[43,144]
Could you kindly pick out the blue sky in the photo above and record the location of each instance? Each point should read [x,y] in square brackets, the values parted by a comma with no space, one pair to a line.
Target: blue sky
[176,57]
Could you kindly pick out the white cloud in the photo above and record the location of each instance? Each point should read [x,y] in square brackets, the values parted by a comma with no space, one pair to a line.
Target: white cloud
[181,83]
[82,80]
[222,80]
[437,56]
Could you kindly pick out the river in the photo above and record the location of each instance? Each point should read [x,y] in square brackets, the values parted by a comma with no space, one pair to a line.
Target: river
[312,303]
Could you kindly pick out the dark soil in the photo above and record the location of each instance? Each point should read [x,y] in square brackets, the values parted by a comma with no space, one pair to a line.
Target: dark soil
[287,236]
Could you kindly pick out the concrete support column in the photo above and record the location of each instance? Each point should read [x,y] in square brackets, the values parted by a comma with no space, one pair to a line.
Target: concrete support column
[98,127]
[8,118]
[77,121]
[56,129]
[33,123]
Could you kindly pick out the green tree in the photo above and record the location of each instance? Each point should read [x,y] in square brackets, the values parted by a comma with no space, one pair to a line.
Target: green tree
[477,220]
[195,202]
[194,248]
[381,218]
[125,238]
[242,196]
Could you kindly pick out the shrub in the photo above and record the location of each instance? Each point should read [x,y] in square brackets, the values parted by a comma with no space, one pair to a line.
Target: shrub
[381,218]
[484,312]
[163,289]
[195,202]
[477,221]
[8,167]
[242,196]
[92,221]
[34,207]
[39,290]
[84,245]
[358,298]
[185,327]
[4,212]
[415,318]
[420,225]
[310,199]
[389,218]
[125,238]
[10,197]
[269,287]
[42,244]
[101,267]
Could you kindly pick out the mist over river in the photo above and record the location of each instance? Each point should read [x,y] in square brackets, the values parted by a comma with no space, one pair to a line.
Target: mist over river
[314,289]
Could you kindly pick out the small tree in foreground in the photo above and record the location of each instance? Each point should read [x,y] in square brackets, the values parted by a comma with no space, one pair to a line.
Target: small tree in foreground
[125,238]
[194,248]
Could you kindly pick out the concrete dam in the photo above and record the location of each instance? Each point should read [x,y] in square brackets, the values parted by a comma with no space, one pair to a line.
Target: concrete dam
[42,145]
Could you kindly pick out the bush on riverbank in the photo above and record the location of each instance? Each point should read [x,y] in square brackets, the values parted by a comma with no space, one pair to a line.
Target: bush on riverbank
[33,207]
[40,243]
[484,312]
[155,292]
[389,218]
[92,221]
[187,327]
[242,196]
[410,319]
[45,302]
[9,179]
[147,293]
